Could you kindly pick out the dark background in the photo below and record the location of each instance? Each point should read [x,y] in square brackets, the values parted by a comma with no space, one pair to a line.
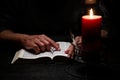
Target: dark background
[113,8]
[111,58]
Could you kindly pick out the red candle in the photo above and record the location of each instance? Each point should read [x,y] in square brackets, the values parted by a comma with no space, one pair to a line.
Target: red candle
[91,25]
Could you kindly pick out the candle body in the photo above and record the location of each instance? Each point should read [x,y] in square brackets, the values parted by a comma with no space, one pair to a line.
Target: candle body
[91,28]
[91,37]
[91,32]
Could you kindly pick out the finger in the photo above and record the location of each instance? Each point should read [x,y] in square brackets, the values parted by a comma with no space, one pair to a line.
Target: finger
[52,42]
[48,47]
[33,51]
[47,44]
[58,46]
[78,39]
[40,44]
[36,48]
[70,51]
[52,48]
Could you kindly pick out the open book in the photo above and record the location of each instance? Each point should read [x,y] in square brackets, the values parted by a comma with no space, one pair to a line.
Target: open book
[24,54]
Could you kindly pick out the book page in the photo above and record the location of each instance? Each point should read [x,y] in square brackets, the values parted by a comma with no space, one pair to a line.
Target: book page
[63,46]
[18,54]
[24,54]
[28,55]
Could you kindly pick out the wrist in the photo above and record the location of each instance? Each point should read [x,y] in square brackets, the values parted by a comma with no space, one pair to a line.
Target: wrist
[21,37]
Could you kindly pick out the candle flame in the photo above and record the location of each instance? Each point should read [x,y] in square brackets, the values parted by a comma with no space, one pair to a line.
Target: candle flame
[91,13]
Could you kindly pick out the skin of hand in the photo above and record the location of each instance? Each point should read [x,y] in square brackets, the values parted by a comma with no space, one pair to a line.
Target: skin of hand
[39,43]
[70,50]
[78,40]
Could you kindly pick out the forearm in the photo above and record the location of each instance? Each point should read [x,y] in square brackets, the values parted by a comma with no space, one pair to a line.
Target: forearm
[9,35]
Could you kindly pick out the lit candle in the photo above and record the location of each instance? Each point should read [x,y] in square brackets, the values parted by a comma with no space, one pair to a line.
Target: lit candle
[91,26]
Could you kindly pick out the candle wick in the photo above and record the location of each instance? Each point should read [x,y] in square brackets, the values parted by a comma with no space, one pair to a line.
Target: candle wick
[91,13]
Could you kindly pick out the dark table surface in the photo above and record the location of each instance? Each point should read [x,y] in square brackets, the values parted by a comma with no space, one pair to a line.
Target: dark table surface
[55,71]
[70,70]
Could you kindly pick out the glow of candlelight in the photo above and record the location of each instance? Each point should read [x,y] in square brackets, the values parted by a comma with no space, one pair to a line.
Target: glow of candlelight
[91,13]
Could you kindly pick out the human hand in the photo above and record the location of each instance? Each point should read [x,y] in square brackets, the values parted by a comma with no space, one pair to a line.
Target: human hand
[70,50]
[78,41]
[39,43]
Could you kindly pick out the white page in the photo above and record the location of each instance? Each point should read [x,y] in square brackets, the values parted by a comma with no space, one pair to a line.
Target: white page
[28,55]
[63,46]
